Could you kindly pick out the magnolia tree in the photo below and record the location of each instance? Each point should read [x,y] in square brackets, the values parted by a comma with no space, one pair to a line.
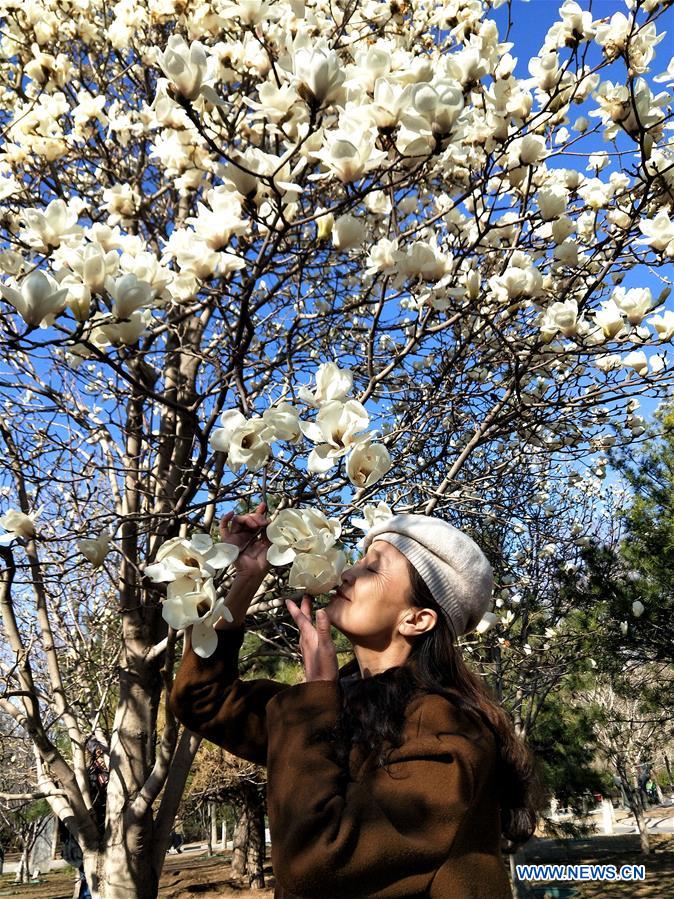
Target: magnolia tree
[354,257]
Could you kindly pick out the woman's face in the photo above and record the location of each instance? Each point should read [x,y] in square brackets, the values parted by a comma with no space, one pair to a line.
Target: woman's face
[374,598]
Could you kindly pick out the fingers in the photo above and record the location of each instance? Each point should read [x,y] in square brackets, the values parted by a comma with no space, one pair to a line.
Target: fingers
[302,614]
[224,522]
[323,625]
[252,520]
[306,605]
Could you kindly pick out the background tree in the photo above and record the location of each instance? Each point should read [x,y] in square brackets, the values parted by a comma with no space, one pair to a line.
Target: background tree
[632,718]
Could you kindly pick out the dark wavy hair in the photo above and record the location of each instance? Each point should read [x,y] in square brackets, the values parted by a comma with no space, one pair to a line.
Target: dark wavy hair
[373,714]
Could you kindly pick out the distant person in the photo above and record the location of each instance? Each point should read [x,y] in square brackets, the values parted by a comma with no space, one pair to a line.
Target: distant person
[622,797]
[652,791]
[98,775]
[175,841]
[644,777]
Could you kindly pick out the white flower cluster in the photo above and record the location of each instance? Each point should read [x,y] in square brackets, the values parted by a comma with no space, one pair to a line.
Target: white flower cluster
[307,538]
[187,567]
[337,431]
[87,266]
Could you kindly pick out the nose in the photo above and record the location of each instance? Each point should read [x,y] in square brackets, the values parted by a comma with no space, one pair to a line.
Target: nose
[348,576]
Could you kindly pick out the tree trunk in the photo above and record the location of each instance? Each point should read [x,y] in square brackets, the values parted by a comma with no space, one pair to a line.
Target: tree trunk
[239,858]
[248,843]
[213,828]
[22,872]
[256,843]
[636,807]
[669,774]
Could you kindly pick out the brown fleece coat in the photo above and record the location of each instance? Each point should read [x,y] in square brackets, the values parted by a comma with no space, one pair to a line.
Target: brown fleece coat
[427,826]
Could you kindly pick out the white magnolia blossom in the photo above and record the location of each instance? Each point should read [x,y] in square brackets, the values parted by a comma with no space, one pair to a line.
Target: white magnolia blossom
[92,263]
[46,229]
[486,623]
[332,383]
[185,66]
[197,558]
[372,515]
[242,440]
[95,549]
[520,279]
[614,34]
[128,294]
[552,201]
[663,324]
[18,524]
[440,103]
[317,573]
[337,428]
[303,530]
[281,423]
[390,102]
[367,463]
[195,603]
[633,303]
[348,231]
[610,319]
[637,361]
[658,233]
[383,257]
[423,259]
[216,223]
[124,332]
[38,300]
[608,361]
[319,73]
[348,155]
[560,317]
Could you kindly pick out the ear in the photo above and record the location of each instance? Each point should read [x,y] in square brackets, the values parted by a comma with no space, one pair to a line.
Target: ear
[417,621]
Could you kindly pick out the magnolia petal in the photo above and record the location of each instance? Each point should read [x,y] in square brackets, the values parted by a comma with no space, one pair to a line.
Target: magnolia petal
[312,431]
[220,439]
[201,542]
[322,458]
[204,639]
[159,573]
[174,613]
[221,555]
[278,556]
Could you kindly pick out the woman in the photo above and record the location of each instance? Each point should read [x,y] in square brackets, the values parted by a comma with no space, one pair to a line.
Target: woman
[395,775]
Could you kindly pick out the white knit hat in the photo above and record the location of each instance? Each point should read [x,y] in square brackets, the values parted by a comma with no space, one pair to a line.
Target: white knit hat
[452,565]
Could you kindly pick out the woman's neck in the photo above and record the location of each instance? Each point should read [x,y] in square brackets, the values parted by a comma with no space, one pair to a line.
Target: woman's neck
[371,661]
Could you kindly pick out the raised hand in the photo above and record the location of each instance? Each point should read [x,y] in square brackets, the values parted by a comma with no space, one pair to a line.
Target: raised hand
[318,650]
[248,533]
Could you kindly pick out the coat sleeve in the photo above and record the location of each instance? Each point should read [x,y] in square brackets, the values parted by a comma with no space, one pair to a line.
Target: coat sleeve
[209,698]
[336,837]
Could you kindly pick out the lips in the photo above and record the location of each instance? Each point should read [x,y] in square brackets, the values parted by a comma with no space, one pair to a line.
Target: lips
[338,592]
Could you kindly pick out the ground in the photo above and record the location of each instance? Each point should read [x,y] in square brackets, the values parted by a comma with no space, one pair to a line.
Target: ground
[187,876]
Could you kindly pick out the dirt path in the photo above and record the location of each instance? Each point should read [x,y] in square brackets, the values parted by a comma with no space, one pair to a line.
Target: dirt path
[192,876]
